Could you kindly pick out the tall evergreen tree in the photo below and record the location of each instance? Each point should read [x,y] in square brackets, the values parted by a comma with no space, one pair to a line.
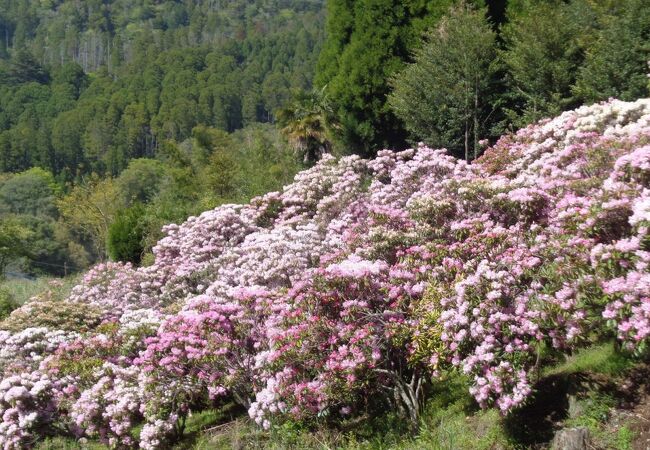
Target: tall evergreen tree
[544,48]
[446,96]
[367,42]
[617,64]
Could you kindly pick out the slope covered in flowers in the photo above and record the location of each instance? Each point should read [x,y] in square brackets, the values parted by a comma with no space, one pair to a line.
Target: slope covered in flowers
[353,287]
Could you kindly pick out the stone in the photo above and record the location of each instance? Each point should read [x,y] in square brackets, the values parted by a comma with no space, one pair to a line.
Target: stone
[571,439]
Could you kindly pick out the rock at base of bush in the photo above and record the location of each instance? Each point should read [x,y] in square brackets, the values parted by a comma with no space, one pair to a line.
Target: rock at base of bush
[571,439]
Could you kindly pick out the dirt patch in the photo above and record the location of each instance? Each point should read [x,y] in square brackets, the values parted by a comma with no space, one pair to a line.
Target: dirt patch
[639,423]
[633,410]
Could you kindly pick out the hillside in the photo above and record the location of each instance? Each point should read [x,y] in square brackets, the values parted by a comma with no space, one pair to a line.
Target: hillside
[88,86]
[143,112]
[363,286]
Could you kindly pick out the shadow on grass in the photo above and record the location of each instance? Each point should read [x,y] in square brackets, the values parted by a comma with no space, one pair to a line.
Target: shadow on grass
[533,425]
[198,423]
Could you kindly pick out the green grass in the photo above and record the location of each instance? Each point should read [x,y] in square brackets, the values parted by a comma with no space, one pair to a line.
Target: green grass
[448,429]
[599,359]
[449,421]
[595,405]
[596,412]
[452,421]
[197,424]
[22,290]
[623,438]
[482,430]
[64,443]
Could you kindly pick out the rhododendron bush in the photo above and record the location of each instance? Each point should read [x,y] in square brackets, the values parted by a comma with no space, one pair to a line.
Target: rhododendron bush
[361,282]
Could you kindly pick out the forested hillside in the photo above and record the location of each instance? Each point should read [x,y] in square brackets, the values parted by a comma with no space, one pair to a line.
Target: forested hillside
[87,86]
[117,117]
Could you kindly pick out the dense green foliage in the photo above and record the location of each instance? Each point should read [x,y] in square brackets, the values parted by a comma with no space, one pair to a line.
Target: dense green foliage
[308,123]
[546,57]
[544,48]
[106,104]
[367,42]
[558,55]
[107,82]
[7,302]
[453,81]
[31,192]
[616,64]
[13,237]
[126,234]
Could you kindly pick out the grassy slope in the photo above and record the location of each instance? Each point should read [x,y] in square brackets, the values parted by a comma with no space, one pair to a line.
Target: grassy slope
[21,290]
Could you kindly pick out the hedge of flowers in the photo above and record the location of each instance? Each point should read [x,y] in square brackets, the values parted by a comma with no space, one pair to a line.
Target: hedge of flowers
[358,284]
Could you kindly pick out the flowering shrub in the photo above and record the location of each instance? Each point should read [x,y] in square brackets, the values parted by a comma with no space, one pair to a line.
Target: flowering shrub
[361,280]
[26,349]
[27,406]
[208,347]
[53,314]
[110,408]
[334,340]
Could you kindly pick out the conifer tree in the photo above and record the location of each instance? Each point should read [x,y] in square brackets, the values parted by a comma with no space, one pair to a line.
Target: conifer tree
[367,42]
[447,95]
[617,64]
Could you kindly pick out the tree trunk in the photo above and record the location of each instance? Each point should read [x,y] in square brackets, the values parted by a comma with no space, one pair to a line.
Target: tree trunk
[466,140]
[407,394]
[476,118]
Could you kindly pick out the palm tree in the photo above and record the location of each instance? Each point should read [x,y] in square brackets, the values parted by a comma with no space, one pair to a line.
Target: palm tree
[308,123]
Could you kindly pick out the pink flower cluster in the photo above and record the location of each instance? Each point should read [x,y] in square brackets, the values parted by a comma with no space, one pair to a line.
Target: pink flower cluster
[110,408]
[358,283]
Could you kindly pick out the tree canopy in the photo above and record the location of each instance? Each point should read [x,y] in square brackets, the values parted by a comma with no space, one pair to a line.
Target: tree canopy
[86,87]
[448,94]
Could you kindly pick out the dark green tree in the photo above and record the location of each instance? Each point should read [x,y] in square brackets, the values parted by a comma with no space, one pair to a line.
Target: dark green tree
[48,254]
[544,48]
[126,235]
[7,302]
[23,68]
[141,181]
[13,242]
[71,74]
[367,42]
[447,96]
[617,64]
[32,192]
